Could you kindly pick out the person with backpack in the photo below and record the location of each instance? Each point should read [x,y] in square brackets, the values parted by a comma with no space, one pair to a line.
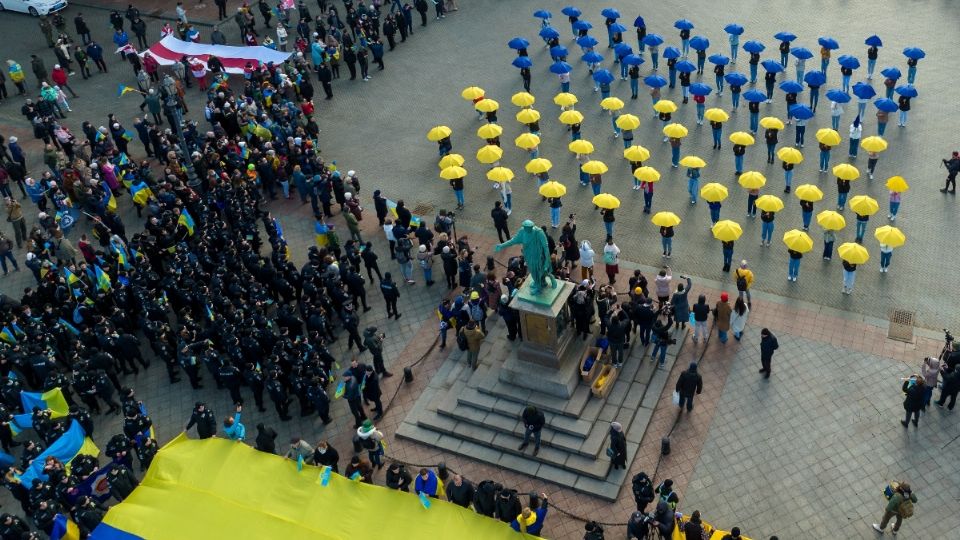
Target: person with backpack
[473,336]
[899,506]
[484,497]
[402,253]
[477,310]
[507,505]
[689,383]
[744,277]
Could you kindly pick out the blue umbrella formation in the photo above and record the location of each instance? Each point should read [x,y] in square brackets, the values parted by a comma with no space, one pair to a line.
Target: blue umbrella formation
[592,57]
[735,79]
[733,28]
[873,41]
[543,14]
[914,53]
[801,112]
[652,40]
[518,43]
[655,81]
[560,68]
[683,24]
[559,51]
[685,66]
[587,42]
[886,105]
[849,62]
[785,36]
[699,43]
[571,11]
[700,89]
[622,49]
[549,32]
[802,53]
[907,90]
[838,96]
[603,76]
[828,43]
[610,13]
[639,22]
[632,60]
[754,46]
[582,25]
[754,95]
[815,78]
[891,73]
[718,59]
[522,62]
[671,52]
[772,66]
[791,87]
[617,27]
[863,90]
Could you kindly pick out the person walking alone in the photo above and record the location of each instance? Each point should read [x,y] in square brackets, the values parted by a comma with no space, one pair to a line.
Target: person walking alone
[689,383]
[768,344]
[899,506]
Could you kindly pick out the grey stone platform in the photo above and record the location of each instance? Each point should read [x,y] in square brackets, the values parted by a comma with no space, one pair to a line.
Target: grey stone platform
[476,414]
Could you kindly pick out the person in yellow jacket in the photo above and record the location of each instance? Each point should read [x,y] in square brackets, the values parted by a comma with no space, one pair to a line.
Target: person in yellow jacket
[15,71]
[744,280]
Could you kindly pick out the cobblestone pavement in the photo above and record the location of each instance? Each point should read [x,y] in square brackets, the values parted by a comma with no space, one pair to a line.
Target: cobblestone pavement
[378,128]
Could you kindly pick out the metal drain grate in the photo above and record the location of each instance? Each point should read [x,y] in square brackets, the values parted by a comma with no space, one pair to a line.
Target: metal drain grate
[901,325]
[423,209]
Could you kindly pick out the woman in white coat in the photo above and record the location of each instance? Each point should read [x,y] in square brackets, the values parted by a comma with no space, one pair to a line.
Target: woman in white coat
[738,318]
[586,260]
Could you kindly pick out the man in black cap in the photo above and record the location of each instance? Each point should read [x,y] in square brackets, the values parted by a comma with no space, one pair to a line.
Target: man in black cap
[204,419]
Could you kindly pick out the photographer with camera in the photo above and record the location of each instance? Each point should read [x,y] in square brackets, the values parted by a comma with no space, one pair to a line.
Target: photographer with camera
[660,335]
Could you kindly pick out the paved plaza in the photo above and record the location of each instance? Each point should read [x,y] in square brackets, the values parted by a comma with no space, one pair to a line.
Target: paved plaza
[802,455]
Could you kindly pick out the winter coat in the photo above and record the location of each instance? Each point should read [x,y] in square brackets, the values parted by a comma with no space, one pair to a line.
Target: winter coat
[913,400]
[722,313]
[738,322]
[681,305]
[690,382]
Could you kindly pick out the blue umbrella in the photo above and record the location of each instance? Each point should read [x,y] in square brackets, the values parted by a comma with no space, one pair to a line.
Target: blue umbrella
[733,28]
[685,66]
[718,59]
[518,43]
[632,60]
[603,76]
[560,68]
[772,65]
[699,43]
[815,78]
[735,79]
[700,89]
[886,105]
[610,13]
[617,27]
[754,95]
[582,25]
[671,52]
[587,41]
[522,62]
[873,41]
[652,40]
[906,91]
[863,90]
[549,32]
[571,11]
[838,96]
[891,73]
[639,22]
[785,36]
[542,14]
[592,57]
[622,49]
[683,24]
[801,112]
[915,53]
[754,46]
[791,87]
[559,51]
[849,62]
[828,42]
[802,53]
[655,81]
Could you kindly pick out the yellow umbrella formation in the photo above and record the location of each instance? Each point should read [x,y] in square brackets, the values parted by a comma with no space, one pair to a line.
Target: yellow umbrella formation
[571,117]
[798,240]
[790,155]
[726,230]
[527,141]
[594,167]
[500,174]
[647,174]
[487,105]
[451,160]
[628,121]
[611,104]
[742,137]
[828,136]
[694,162]
[528,116]
[453,172]
[580,146]
[636,153]
[489,154]
[489,131]
[438,133]
[553,189]
[713,192]
[565,99]
[523,99]
[606,200]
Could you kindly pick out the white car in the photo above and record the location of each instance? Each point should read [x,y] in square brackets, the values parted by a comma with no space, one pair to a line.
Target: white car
[33,7]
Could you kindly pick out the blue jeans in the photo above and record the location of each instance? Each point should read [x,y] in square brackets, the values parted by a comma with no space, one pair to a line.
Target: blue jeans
[634,87]
[595,188]
[862,109]
[716,135]
[783,59]
[754,121]
[890,93]
[660,348]
[3,261]
[766,231]
[535,435]
[623,70]
[700,110]
[714,215]
[574,136]
[688,400]
[685,91]
[885,258]
[841,199]
[881,127]
[845,83]
[770,149]
[428,274]
[655,59]
[459,194]
[722,334]
[700,62]
[848,279]
[788,177]
[647,201]
[800,75]
[806,218]
[911,74]
[824,159]
[613,122]
[555,217]
[854,147]
[719,84]
[793,269]
[508,201]
[738,162]
[565,86]
[734,49]
[685,47]
[903,118]
[693,186]
[735,100]
[835,122]
[801,132]
[672,77]
[605,93]
[626,143]
[608,225]
[407,270]
[753,73]
[861,230]
[751,204]
[814,98]
[727,257]
[828,250]
[824,62]
[667,244]
[675,156]
[871,64]
[894,208]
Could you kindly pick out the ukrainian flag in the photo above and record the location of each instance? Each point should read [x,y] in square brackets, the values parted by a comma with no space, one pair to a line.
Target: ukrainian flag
[186,220]
[109,201]
[7,335]
[103,279]
[70,276]
[140,192]
[123,89]
[64,529]
[68,446]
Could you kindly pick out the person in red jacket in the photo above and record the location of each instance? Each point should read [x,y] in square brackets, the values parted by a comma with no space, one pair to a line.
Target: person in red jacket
[151,66]
[59,76]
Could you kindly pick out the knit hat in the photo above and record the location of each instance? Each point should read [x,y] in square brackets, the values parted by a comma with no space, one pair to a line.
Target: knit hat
[366,429]
[617,426]
[724,297]
[474,295]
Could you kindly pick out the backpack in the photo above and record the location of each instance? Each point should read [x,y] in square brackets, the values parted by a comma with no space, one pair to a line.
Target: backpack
[906,507]
[507,505]
[741,281]
[476,312]
[462,341]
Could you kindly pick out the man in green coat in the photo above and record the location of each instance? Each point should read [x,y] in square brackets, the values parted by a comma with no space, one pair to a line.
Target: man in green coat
[899,507]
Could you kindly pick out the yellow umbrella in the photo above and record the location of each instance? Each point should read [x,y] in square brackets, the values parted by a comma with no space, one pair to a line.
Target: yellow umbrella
[438,133]
[742,137]
[489,131]
[580,146]
[500,174]
[606,200]
[665,219]
[611,103]
[538,165]
[853,253]
[647,174]
[571,117]
[565,99]
[487,105]
[471,93]
[674,130]
[451,160]
[769,203]
[553,189]
[726,230]
[489,154]
[665,106]
[713,192]
[636,153]
[693,162]
[864,205]
[798,240]
[808,192]
[790,155]
[897,183]
[752,180]
[451,173]
[771,122]
[846,171]
[828,136]
[628,121]
[523,99]
[716,115]
[527,141]
[874,144]
[528,116]
[890,236]
[594,167]
[831,221]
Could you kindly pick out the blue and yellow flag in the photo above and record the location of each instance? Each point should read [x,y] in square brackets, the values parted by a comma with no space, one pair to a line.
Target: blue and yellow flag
[70,276]
[209,312]
[123,89]
[122,260]
[103,279]
[124,160]
[109,201]
[7,335]
[186,220]
[64,529]
[17,331]
[99,136]
[140,193]
[341,387]
[70,328]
